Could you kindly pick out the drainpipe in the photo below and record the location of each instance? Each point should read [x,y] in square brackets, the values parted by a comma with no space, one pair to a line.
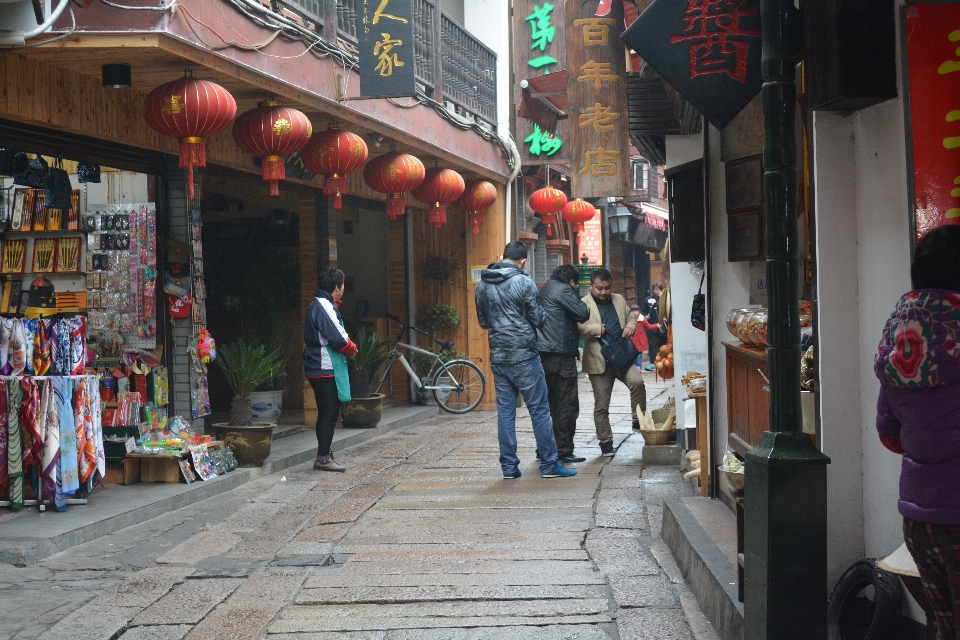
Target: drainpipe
[517,161]
[785,514]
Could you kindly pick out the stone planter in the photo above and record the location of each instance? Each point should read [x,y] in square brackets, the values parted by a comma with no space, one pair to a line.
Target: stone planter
[251,445]
[266,405]
[362,413]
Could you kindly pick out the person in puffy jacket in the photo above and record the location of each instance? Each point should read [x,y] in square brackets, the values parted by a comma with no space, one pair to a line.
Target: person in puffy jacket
[509,308]
[918,416]
[558,342]
[323,334]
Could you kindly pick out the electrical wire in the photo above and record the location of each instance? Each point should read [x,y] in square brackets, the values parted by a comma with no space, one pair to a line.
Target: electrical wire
[121,6]
[67,34]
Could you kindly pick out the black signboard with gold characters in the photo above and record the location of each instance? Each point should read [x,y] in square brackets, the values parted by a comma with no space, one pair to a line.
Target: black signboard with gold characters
[385,36]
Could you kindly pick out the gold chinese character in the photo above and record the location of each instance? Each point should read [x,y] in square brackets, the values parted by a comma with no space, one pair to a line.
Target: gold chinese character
[599,116]
[597,73]
[600,162]
[380,14]
[281,126]
[172,105]
[387,61]
[596,31]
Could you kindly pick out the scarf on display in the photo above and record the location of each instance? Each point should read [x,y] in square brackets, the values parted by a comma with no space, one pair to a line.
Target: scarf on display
[29,330]
[78,345]
[92,405]
[15,448]
[60,348]
[86,456]
[18,348]
[41,347]
[6,329]
[48,425]
[68,477]
[3,429]
[32,436]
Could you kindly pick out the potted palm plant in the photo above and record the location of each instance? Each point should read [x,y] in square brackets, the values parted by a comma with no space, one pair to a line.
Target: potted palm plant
[364,409]
[246,367]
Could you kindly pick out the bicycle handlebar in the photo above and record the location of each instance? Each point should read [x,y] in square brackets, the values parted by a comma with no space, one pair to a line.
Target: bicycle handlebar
[400,322]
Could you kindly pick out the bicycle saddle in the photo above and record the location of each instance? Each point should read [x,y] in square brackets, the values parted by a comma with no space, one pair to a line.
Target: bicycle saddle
[445,344]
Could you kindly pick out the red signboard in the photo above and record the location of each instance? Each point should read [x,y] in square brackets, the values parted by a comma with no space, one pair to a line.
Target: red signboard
[933,36]
[590,240]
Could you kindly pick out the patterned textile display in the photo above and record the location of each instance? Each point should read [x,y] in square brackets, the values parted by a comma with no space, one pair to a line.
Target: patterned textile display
[18,348]
[92,404]
[15,445]
[29,329]
[32,438]
[83,420]
[41,347]
[62,348]
[67,468]
[3,430]
[78,345]
[6,330]
[48,426]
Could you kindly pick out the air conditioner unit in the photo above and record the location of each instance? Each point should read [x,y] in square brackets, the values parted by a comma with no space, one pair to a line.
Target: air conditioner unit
[24,19]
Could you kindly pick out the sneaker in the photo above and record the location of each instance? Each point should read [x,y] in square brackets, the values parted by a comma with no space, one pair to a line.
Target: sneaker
[538,455]
[572,458]
[606,449]
[559,471]
[636,426]
[649,367]
[327,463]
[511,476]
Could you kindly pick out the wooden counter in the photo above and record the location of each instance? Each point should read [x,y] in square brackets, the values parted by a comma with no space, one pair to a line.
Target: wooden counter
[748,405]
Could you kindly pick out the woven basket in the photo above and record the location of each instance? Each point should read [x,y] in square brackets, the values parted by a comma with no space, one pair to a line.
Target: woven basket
[657,437]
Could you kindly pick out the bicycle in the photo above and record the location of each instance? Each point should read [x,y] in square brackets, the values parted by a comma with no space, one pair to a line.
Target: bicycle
[458,385]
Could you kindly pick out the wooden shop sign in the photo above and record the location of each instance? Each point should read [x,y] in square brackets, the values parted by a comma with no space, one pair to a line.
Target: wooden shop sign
[708,50]
[385,39]
[596,89]
[539,44]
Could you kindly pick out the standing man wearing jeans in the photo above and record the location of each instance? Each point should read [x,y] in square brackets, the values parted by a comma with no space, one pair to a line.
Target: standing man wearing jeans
[508,307]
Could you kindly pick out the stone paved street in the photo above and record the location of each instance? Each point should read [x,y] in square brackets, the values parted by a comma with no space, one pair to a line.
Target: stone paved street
[420,538]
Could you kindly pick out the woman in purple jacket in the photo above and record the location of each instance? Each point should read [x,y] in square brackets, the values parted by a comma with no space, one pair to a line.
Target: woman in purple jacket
[918,415]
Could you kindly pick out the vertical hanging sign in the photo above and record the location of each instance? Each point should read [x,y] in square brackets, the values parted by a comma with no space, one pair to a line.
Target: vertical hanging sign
[933,32]
[597,92]
[538,28]
[385,39]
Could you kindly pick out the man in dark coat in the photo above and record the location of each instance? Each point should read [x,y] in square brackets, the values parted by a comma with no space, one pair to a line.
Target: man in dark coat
[508,307]
[558,342]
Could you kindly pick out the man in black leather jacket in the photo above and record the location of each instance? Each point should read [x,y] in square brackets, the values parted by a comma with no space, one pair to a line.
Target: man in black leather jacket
[508,307]
[558,342]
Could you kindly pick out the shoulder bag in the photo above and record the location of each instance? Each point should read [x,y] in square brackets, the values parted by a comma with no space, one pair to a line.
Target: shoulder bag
[698,313]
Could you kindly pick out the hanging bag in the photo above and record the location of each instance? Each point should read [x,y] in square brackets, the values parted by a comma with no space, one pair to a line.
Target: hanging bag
[88,172]
[698,313]
[59,189]
[30,172]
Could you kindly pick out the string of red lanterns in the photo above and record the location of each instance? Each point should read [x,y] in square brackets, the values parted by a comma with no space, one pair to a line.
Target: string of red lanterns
[333,154]
[272,131]
[394,174]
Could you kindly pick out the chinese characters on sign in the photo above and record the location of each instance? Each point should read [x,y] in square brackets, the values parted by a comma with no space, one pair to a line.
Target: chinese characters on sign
[708,50]
[934,65]
[590,240]
[539,29]
[596,89]
[385,38]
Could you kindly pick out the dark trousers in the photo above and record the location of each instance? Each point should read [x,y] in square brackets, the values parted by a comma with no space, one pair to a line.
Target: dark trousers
[653,345]
[328,408]
[561,372]
[936,550]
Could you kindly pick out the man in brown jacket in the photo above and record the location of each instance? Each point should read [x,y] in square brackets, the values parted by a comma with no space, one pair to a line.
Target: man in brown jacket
[609,313]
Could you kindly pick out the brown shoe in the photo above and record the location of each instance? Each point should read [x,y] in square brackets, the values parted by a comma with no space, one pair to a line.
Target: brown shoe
[327,463]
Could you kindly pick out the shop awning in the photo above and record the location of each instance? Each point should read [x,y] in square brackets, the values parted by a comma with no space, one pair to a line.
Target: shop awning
[543,100]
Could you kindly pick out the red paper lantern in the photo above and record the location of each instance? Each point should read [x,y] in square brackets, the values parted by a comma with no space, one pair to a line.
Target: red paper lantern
[577,212]
[440,187]
[333,154]
[394,174]
[548,201]
[191,110]
[477,196]
[270,132]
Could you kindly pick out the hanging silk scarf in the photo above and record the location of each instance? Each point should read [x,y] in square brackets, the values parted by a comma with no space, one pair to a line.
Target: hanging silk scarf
[78,345]
[60,348]
[15,448]
[48,424]
[3,429]
[41,347]
[67,472]
[83,406]
[29,328]
[18,348]
[6,328]
[93,402]
[32,438]
[86,458]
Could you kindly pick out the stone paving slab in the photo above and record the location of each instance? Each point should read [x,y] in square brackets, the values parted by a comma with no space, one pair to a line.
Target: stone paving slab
[187,603]
[354,503]
[643,591]
[334,578]
[456,609]
[159,632]
[432,553]
[552,632]
[653,624]
[365,624]
[493,514]
[493,542]
[92,622]
[235,622]
[278,586]
[199,547]
[364,594]
[246,519]
[145,587]
[454,566]
[266,541]
[621,556]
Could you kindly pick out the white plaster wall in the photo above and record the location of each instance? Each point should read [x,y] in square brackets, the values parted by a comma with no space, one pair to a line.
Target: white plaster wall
[689,344]
[489,21]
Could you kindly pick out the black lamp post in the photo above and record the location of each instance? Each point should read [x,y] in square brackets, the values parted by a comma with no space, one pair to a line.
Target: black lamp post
[619,223]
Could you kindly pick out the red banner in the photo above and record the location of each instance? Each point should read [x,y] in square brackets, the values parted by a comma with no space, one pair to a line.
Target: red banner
[933,36]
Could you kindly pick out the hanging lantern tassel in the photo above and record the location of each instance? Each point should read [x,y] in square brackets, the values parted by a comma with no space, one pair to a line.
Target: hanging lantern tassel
[475,219]
[477,196]
[577,227]
[334,185]
[274,170]
[396,205]
[438,215]
[549,220]
[193,153]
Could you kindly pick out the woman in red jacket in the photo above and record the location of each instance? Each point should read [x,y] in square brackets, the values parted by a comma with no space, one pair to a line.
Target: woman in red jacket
[640,335]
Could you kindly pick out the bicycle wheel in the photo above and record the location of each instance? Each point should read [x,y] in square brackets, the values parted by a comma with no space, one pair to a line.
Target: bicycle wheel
[462,386]
[377,380]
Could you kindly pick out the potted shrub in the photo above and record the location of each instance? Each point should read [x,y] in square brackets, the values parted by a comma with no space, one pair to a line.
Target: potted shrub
[364,409]
[246,367]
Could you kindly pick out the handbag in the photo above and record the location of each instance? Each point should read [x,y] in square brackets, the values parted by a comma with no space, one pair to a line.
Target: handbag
[620,352]
[698,312]
[30,172]
[6,161]
[58,189]
[88,172]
